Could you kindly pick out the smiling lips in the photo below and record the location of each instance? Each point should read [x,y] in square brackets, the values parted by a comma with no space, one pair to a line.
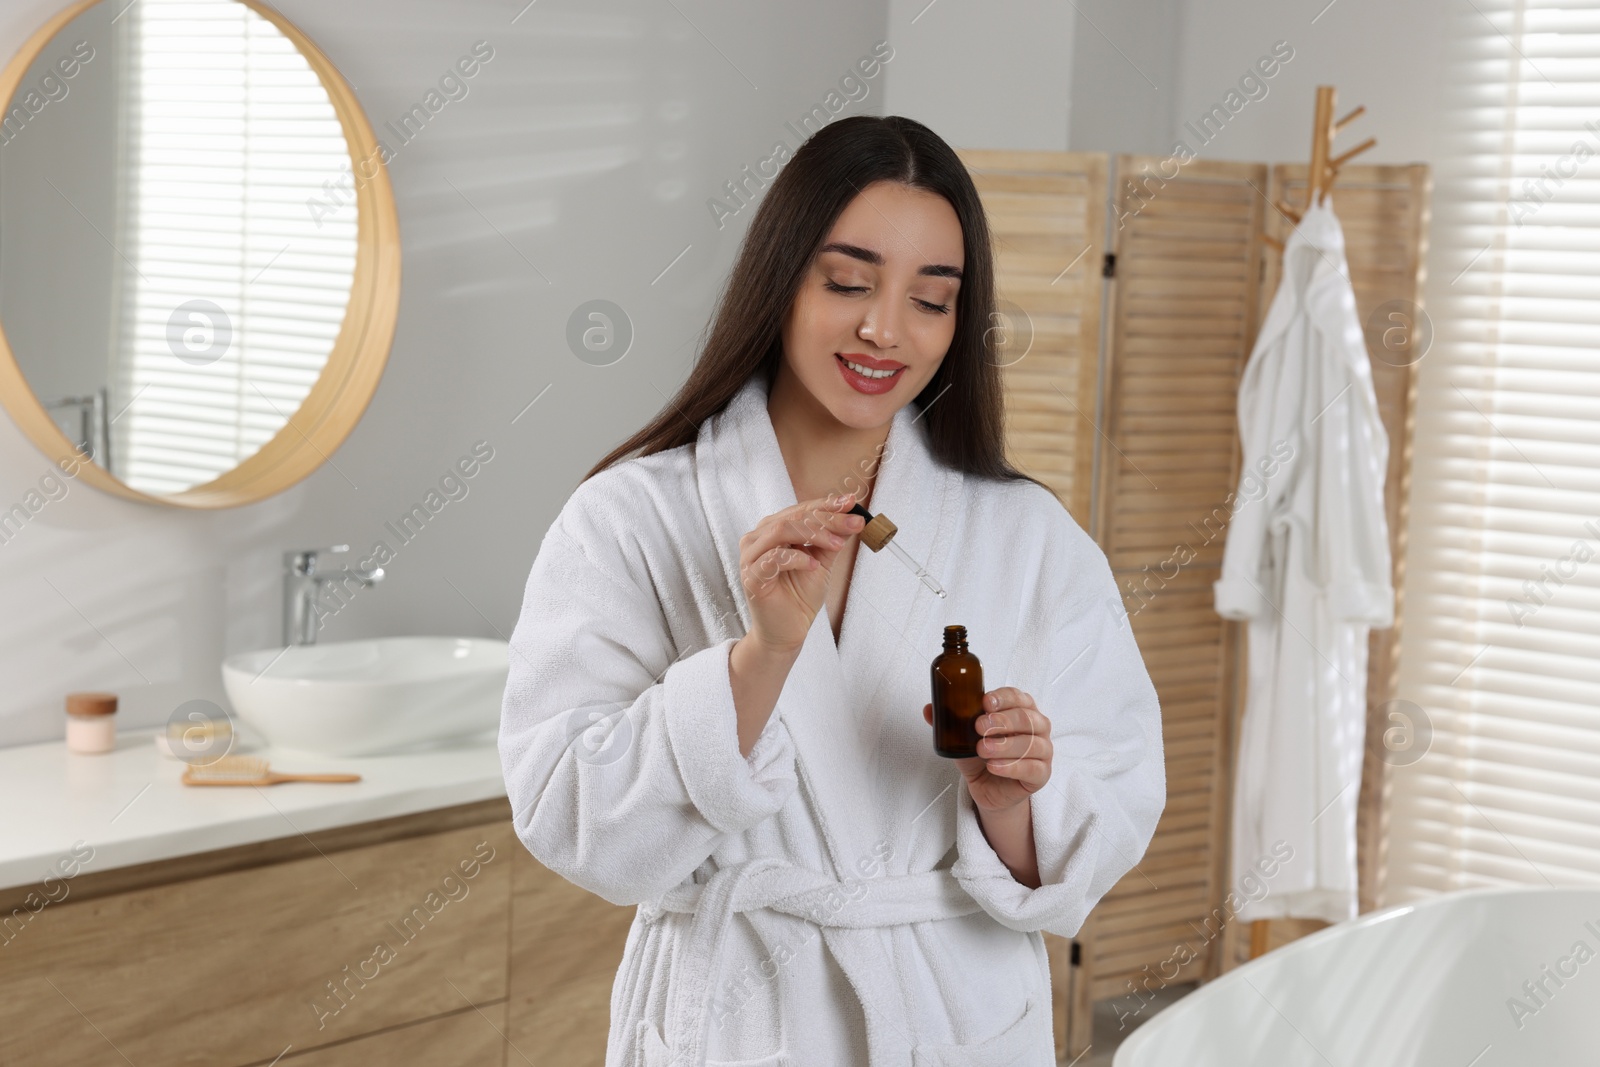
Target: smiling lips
[866,374]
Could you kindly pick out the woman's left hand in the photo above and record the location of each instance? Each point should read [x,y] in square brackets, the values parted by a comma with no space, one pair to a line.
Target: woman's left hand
[1014,750]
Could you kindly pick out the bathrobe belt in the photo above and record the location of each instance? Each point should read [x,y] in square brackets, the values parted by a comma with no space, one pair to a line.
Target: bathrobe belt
[841,908]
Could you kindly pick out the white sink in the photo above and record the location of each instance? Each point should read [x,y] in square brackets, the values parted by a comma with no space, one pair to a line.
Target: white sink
[358,698]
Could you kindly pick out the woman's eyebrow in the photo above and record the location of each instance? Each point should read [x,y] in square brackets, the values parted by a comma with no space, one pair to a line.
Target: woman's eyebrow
[867,255]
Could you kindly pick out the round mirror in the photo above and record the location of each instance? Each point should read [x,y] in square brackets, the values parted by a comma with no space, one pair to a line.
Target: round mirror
[199,253]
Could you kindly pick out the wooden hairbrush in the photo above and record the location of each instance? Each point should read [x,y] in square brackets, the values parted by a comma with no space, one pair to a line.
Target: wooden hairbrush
[251,770]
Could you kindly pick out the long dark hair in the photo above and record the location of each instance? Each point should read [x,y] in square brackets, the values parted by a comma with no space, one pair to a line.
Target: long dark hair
[966,427]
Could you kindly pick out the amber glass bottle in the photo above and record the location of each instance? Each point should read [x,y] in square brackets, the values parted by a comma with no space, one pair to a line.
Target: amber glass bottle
[957,696]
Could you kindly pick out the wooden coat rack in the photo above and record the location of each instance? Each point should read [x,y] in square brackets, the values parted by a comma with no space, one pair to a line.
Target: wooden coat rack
[1320,176]
[1324,165]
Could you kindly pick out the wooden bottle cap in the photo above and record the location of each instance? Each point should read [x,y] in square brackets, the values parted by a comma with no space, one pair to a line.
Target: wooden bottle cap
[878,531]
[91,703]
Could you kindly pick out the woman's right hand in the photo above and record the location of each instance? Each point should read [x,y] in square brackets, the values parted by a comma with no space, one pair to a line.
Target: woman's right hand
[785,563]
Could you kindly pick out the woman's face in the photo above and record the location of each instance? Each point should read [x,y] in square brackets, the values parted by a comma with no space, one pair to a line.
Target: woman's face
[880,294]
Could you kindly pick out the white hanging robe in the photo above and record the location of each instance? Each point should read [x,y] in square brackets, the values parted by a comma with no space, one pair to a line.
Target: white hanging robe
[1306,562]
[831,898]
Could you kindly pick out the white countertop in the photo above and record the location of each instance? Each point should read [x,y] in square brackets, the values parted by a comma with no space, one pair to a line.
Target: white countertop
[130,807]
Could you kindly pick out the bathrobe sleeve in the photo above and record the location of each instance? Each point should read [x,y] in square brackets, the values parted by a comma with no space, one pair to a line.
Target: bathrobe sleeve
[621,757]
[1273,449]
[1095,817]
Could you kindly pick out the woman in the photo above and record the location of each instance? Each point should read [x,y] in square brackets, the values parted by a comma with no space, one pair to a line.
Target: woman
[685,730]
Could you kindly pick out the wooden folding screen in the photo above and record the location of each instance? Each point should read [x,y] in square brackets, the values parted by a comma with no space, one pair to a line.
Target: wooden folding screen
[1185,297]
[1046,212]
[1141,445]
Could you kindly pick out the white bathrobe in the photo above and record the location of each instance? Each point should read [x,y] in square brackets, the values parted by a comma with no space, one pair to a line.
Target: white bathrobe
[1306,561]
[831,898]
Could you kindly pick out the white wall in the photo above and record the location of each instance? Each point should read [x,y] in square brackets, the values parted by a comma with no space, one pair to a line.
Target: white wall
[1386,54]
[578,166]
[1124,61]
[991,75]
[1125,75]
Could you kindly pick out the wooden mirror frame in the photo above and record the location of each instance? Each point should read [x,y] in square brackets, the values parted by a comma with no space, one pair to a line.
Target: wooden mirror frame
[350,376]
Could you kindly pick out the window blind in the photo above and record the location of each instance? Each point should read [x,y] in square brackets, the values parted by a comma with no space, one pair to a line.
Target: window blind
[235,289]
[1501,640]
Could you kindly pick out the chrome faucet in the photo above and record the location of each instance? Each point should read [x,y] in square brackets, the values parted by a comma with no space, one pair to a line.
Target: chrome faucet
[303,582]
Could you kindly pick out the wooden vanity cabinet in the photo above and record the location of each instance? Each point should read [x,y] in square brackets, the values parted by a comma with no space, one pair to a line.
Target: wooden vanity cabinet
[425,939]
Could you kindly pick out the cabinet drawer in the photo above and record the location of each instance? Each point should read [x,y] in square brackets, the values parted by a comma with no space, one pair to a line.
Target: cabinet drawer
[233,968]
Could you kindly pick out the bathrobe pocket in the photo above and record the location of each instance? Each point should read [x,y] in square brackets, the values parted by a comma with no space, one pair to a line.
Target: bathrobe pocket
[656,1054]
[1008,1046]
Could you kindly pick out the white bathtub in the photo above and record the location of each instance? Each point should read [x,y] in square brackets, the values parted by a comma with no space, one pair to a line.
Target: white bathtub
[1424,985]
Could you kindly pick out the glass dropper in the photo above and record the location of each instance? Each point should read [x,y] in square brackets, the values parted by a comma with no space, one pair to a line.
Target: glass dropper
[879,532]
